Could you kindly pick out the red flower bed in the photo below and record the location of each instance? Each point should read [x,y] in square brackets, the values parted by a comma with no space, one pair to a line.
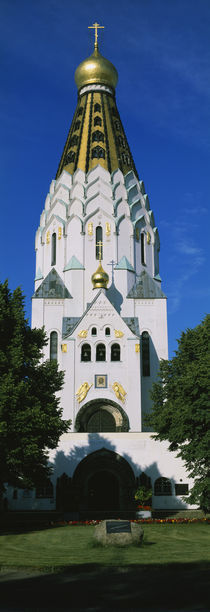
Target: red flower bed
[149,520]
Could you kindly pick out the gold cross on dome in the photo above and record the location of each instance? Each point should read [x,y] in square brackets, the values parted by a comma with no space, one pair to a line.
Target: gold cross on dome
[96,26]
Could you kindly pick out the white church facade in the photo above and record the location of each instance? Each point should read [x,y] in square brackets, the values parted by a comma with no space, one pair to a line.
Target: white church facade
[98,294]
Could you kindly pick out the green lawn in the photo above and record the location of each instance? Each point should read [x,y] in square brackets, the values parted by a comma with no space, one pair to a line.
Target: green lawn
[66,546]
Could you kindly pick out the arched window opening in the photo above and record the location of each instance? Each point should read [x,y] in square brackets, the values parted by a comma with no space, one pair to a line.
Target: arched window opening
[100,352]
[99,242]
[101,421]
[97,108]
[45,490]
[77,126]
[142,249]
[80,110]
[107,331]
[74,140]
[114,111]
[98,152]
[94,331]
[53,249]
[86,352]
[121,141]
[97,121]
[53,346]
[115,352]
[145,354]
[70,157]
[97,136]
[162,486]
[126,159]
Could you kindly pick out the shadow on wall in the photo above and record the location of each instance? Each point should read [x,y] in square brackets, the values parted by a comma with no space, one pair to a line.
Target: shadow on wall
[114,296]
[149,370]
[94,478]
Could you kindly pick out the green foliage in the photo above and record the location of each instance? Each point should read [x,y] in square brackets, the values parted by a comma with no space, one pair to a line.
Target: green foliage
[143,495]
[30,415]
[181,400]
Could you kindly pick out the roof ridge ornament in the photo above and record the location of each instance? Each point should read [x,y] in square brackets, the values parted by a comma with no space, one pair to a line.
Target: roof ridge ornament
[95,27]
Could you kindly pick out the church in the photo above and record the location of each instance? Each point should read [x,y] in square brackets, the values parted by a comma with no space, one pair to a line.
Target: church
[98,294]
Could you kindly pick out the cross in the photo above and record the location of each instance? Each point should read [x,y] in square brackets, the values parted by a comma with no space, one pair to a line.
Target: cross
[99,244]
[112,263]
[95,26]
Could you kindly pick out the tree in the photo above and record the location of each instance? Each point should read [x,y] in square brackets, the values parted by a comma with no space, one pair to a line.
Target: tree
[30,415]
[181,400]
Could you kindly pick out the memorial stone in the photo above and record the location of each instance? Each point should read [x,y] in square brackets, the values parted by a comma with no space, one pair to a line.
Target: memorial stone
[118,533]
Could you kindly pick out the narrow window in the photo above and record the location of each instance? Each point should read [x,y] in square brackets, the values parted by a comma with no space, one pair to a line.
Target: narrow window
[99,242]
[80,111]
[86,352]
[53,346]
[107,331]
[142,249]
[101,352]
[94,331]
[97,108]
[145,354]
[162,486]
[97,121]
[53,249]
[115,352]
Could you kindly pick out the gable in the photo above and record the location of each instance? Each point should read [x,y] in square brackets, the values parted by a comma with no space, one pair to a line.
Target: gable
[52,287]
[101,312]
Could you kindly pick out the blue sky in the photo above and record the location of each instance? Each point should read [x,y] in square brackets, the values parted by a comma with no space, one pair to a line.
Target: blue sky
[161,49]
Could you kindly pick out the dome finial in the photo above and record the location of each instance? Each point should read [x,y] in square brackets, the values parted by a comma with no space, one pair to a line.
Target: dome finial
[95,26]
[100,278]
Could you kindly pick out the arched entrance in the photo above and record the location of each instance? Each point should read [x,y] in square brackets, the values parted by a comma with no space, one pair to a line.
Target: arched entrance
[103,491]
[103,483]
[101,416]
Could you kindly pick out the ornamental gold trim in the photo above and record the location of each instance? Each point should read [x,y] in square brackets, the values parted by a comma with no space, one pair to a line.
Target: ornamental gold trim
[119,391]
[83,333]
[108,229]
[118,333]
[90,229]
[82,391]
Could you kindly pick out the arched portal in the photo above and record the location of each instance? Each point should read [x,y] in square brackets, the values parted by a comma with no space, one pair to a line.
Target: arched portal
[100,416]
[104,482]
[103,491]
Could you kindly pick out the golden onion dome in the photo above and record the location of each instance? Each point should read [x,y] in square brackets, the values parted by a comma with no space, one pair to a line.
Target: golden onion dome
[100,278]
[96,69]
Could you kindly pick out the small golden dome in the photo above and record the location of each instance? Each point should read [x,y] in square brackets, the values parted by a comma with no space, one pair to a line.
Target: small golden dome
[100,278]
[96,69]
